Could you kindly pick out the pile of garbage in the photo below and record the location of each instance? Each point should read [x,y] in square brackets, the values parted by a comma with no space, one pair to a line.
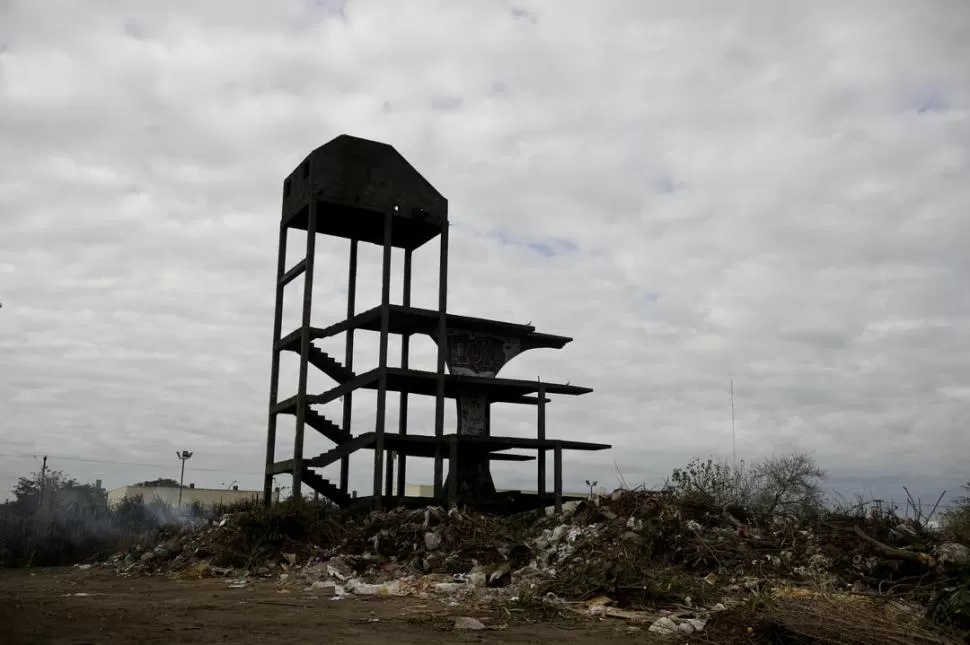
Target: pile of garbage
[248,541]
[645,557]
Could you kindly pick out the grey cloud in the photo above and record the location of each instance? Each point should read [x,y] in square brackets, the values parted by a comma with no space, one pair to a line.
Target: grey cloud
[779,197]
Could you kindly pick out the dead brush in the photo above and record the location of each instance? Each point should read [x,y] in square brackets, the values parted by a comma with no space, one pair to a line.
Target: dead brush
[823,620]
[261,532]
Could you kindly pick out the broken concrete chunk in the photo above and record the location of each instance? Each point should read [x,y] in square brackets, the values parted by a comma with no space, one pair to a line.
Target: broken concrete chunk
[467,623]
[559,533]
[359,588]
[325,588]
[340,569]
[432,541]
[697,624]
[449,587]
[477,579]
[663,626]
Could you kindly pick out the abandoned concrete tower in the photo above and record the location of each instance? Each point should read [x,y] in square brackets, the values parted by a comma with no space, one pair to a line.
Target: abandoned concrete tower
[365,191]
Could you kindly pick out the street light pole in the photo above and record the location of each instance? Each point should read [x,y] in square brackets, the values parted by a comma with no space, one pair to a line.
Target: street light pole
[184,456]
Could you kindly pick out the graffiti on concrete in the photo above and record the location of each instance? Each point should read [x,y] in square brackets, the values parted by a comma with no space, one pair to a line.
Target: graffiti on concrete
[473,415]
[479,354]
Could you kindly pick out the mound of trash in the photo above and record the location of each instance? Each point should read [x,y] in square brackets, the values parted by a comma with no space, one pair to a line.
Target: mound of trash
[649,558]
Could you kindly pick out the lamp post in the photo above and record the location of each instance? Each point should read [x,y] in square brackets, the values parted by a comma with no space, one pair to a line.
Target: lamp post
[184,456]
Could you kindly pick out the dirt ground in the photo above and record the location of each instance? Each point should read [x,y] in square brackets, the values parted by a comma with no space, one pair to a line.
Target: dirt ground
[42,606]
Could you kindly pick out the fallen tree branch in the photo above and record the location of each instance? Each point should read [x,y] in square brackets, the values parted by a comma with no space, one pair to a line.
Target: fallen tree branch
[893,552]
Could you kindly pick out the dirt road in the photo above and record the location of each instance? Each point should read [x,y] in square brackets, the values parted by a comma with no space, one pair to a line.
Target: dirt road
[44,607]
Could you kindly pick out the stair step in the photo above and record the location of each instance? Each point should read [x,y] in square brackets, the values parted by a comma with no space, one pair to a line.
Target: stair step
[329,366]
[326,427]
[325,488]
[317,357]
[315,420]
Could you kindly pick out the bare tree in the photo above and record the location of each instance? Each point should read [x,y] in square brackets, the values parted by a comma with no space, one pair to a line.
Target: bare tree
[789,484]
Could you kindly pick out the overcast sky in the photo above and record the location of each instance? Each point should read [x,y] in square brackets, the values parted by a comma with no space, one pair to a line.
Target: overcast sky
[694,191]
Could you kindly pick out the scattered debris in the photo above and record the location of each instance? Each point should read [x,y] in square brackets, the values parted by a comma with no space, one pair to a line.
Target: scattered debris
[647,558]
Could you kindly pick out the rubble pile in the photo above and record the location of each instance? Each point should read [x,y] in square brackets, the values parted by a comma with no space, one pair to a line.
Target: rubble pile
[622,542]
[435,541]
[645,557]
[250,541]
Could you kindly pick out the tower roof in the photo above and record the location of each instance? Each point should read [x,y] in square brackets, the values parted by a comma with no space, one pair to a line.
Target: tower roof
[355,182]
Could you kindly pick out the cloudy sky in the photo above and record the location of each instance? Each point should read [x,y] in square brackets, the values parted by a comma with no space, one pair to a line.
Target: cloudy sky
[777,193]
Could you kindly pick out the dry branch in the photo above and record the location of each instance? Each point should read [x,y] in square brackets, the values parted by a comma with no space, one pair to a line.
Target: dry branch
[892,552]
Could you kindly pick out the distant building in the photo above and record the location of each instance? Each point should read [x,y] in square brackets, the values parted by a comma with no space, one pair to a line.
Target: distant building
[190,495]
